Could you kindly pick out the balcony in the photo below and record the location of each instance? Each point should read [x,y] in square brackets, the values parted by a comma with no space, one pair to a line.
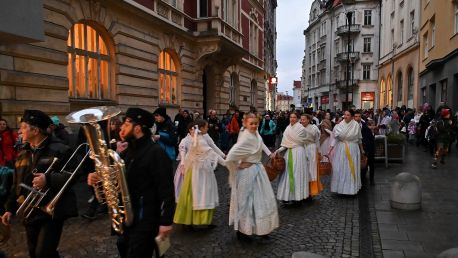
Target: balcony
[343,30]
[342,57]
[342,84]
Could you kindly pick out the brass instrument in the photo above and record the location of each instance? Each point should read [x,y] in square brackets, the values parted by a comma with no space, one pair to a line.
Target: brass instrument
[35,196]
[49,208]
[109,167]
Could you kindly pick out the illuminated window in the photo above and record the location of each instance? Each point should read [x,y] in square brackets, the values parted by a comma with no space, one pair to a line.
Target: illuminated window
[167,79]
[89,64]
[390,91]
[382,93]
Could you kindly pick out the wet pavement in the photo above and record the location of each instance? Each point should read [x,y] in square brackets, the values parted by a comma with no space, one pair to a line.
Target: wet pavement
[330,225]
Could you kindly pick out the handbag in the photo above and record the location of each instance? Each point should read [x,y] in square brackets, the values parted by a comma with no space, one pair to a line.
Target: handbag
[271,172]
[363,161]
[324,167]
[278,163]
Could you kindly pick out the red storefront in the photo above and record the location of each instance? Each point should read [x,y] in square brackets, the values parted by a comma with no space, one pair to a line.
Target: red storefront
[367,100]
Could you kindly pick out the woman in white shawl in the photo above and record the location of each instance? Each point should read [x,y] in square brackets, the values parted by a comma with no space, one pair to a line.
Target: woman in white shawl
[347,156]
[183,148]
[312,150]
[253,208]
[199,194]
[293,184]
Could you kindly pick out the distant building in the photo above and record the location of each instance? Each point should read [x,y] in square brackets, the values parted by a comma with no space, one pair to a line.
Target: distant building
[331,45]
[399,54]
[283,102]
[297,95]
[439,53]
[270,56]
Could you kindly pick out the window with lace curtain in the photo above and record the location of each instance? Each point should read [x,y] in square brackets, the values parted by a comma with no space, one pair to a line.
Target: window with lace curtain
[89,64]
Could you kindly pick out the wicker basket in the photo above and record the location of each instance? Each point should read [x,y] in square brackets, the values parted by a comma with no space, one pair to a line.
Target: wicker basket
[324,168]
[271,172]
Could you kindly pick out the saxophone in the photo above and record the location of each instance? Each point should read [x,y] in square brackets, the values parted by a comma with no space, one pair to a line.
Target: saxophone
[112,188]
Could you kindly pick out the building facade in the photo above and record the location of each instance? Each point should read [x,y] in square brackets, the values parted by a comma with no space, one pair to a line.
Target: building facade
[439,53]
[283,102]
[399,54]
[270,56]
[341,59]
[297,95]
[195,55]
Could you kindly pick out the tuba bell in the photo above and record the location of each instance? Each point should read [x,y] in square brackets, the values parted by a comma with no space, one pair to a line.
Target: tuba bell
[112,189]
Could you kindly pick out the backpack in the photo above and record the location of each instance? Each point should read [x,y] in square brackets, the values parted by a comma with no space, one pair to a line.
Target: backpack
[431,133]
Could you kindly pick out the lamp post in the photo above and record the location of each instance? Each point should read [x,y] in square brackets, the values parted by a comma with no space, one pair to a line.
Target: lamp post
[347,75]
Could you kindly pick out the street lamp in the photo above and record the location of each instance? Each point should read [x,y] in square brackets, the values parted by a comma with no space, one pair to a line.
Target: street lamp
[347,75]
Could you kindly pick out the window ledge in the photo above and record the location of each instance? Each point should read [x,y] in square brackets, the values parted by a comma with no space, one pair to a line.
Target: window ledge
[454,35]
[169,105]
[368,26]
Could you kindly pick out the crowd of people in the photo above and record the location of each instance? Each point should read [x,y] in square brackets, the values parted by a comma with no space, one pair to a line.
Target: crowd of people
[170,165]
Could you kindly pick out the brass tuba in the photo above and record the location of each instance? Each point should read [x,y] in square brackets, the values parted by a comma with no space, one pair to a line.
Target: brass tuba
[112,188]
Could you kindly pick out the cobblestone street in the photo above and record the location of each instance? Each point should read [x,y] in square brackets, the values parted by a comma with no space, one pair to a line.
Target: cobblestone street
[328,225]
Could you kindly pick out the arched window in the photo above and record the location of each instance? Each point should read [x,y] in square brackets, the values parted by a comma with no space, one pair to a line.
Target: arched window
[167,79]
[89,64]
[232,91]
[390,91]
[382,93]
[410,84]
[400,86]
[253,91]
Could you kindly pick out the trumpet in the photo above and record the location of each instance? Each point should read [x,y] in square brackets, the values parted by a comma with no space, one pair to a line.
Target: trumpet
[35,196]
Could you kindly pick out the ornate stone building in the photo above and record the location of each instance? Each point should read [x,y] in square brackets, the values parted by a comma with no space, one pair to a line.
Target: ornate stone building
[195,55]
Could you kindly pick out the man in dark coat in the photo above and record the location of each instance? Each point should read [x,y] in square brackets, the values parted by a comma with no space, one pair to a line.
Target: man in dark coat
[166,133]
[149,178]
[369,149]
[42,230]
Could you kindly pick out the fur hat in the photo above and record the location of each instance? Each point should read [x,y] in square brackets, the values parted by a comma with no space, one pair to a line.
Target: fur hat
[36,118]
[141,117]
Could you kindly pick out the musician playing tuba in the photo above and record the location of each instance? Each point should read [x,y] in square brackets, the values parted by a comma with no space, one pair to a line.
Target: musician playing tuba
[42,153]
[150,183]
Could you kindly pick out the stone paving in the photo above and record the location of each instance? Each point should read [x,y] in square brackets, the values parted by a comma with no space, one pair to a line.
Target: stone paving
[431,230]
[328,225]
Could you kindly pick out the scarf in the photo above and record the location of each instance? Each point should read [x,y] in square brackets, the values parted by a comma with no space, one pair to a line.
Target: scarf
[294,136]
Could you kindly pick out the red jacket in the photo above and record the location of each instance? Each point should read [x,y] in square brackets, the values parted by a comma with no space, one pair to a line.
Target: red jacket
[7,141]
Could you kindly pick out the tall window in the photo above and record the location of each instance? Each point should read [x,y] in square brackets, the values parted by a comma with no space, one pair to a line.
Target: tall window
[401,32]
[367,45]
[367,17]
[253,91]
[433,33]
[412,22]
[203,8]
[382,93]
[390,91]
[410,84]
[366,72]
[400,86]
[392,38]
[231,12]
[167,79]
[89,64]
[425,45]
[456,17]
[444,90]
[254,38]
[423,94]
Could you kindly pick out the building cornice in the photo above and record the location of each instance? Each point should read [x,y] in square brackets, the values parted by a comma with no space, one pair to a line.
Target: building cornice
[439,61]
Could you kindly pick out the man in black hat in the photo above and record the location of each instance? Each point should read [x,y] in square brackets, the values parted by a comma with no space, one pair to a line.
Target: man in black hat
[150,181]
[43,231]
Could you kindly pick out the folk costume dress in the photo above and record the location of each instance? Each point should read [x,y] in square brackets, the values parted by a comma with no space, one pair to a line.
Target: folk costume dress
[199,194]
[312,143]
[293,184]
[183,149]
[253,208]
[346,161]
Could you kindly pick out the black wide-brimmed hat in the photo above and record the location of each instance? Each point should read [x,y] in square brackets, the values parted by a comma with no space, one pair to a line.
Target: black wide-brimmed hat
[141,117]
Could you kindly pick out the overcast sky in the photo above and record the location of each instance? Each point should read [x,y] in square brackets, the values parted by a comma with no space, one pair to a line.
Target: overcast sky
[292,19]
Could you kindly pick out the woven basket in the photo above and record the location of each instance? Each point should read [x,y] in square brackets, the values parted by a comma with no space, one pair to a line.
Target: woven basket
[324,168]
[271,172]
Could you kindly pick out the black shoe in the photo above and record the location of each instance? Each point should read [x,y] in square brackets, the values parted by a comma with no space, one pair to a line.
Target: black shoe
[90,213]
[102,209]
[243,237]
[211,226]
[434,165]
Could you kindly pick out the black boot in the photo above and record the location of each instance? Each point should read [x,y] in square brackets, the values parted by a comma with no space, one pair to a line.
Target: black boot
[243,237]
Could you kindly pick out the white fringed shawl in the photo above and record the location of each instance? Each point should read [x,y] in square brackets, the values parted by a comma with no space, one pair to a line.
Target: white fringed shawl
[294,136]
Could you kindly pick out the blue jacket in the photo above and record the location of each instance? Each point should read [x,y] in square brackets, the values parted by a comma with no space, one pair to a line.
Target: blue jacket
[269,131]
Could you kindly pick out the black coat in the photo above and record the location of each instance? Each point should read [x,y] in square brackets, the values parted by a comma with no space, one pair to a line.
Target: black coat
[368,139]
[41,159]
[150,181]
